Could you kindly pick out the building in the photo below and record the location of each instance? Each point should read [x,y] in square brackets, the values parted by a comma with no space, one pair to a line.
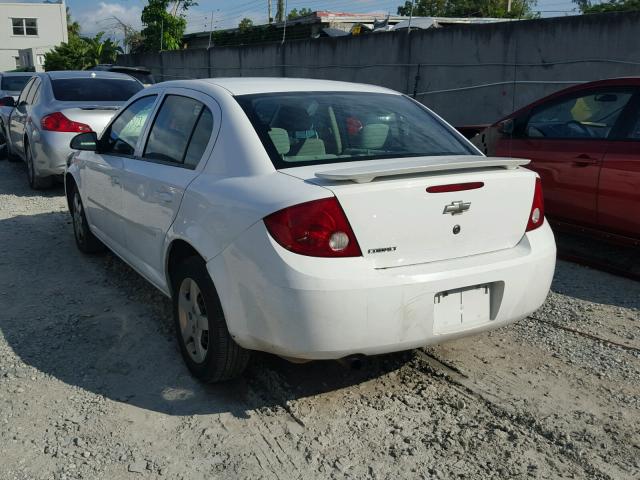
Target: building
[28,31]
[324,23]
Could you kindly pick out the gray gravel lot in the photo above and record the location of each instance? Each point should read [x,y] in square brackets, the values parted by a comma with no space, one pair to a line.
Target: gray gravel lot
[92,385]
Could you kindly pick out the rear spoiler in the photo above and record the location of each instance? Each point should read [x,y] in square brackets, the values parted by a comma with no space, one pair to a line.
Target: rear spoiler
[386,168]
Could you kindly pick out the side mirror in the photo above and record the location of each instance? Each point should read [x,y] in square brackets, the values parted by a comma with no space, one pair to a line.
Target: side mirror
[85,141]
[7,102]
[506,127]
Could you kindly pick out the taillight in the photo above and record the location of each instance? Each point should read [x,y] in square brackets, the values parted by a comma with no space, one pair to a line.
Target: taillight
[57,122]
[316,229]
[536,216]
[455,187]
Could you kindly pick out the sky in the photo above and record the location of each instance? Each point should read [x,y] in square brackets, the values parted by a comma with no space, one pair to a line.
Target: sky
[95,16]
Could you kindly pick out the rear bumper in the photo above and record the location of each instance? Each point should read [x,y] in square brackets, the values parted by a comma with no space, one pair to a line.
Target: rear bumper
[311,308]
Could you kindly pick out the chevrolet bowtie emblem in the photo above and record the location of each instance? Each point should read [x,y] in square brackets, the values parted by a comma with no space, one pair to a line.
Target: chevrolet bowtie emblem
[456,208]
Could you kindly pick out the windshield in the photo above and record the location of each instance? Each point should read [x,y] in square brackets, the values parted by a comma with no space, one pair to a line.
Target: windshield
[14,83]
[94,89]
[329,127]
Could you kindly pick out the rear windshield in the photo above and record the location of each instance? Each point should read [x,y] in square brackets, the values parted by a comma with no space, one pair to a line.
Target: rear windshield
[14,83]
[94,89]
[143,77]
[331,127]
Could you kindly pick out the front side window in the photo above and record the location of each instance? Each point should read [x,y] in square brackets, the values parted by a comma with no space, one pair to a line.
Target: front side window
[25,26]
[329,127]
[585,116]
[90,89]
[122,135]
[178,132]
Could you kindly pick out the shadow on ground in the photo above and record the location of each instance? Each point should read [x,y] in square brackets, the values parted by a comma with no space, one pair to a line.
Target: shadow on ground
[92,322]
[13,170]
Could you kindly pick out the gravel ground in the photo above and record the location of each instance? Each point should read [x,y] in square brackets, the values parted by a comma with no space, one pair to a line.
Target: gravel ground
[92,385]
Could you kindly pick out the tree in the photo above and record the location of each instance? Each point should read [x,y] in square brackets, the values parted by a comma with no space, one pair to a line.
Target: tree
[586,6]
[469,8]
[81,53]
[245,24]
[294,13]
[73,27]
[163,30]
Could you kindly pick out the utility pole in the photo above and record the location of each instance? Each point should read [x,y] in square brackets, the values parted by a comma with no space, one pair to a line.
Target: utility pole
[280,13]
[161,33]
[508,6]
[269,11]
[210,29]
[284,30]
[411,16]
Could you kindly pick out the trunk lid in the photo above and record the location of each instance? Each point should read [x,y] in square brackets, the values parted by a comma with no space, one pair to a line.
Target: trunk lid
[96,116]
[397,222]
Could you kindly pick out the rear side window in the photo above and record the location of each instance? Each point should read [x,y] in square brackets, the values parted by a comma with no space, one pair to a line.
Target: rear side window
[585,116]
[14,83]
[180,132]
[94,89]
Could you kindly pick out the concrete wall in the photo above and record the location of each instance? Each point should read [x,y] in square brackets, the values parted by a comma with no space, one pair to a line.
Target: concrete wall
[467,73]
[51,23]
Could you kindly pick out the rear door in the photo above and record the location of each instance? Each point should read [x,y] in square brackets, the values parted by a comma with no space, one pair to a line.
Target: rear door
[566,140]
[102,175]
[619,187]
[178,139]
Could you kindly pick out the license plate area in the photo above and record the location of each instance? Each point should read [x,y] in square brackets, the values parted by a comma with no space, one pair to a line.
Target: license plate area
[463,308]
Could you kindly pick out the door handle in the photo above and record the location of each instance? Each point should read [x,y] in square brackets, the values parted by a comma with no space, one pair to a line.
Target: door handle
[165,196]
[584,160]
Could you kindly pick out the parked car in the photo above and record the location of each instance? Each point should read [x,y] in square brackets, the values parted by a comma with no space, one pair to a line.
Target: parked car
[11,84]
[142,74]
[584,142]
[310,219]
[55,106]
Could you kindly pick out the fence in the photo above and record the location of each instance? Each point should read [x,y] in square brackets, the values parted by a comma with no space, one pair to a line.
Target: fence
[468,73]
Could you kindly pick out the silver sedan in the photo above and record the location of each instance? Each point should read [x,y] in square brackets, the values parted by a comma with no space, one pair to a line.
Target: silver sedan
[53,107]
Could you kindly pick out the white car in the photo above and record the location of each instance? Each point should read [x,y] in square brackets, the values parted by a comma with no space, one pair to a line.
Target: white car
[311,219]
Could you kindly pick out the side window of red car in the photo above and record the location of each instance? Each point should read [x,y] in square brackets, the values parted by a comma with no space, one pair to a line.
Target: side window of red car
[579,116]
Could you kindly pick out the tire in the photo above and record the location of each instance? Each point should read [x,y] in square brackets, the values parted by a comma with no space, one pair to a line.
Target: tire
[86,241]
[35,182]
[206,345]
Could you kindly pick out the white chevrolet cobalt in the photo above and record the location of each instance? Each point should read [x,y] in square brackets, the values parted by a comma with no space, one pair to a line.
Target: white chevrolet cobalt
[310,219]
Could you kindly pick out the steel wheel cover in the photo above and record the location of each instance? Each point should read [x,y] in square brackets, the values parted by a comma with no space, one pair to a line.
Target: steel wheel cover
[193,320]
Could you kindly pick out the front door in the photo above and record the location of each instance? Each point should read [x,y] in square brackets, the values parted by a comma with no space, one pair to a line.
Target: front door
[619,188]
[102,175]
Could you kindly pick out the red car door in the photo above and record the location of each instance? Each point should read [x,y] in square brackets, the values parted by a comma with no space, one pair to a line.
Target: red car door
[566,140]
[619,188]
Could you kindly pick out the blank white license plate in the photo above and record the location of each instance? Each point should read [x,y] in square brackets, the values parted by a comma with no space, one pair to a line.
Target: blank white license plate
[460,309]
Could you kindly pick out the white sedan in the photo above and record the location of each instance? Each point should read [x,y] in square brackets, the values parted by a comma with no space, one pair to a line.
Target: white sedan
[311,219]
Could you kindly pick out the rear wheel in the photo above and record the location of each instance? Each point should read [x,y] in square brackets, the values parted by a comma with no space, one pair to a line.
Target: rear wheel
[86,241]
[206,345]
[36,182]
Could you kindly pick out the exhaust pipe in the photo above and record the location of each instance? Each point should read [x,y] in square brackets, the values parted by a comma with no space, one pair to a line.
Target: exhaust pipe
[354,362]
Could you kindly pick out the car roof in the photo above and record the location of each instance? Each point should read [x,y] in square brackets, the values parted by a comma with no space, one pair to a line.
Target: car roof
[17,74]
[56,75]
[252,85]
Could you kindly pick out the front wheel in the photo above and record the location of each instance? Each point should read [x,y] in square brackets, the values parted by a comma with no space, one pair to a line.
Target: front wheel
[206,345]
[86,241]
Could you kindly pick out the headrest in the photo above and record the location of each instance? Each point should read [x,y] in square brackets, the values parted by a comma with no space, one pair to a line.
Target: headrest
[280,139]
[374,136]
[292,118]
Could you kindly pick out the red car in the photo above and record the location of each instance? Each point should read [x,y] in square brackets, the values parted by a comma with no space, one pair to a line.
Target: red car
[584,142]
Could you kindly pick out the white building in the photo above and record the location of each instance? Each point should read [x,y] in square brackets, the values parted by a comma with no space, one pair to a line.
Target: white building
[28,31]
